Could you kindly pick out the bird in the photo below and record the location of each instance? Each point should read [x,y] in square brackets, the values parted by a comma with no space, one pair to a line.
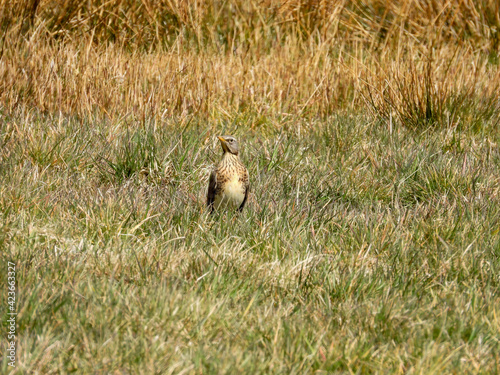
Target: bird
[229,182]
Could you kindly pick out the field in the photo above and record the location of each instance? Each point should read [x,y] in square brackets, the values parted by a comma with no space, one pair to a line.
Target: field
[371,239]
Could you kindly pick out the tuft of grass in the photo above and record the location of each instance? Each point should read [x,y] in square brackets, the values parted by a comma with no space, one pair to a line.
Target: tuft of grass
[432,92]
[135,154]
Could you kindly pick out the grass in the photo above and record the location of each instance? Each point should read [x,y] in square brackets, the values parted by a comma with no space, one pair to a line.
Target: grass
[370,242]
[353,255]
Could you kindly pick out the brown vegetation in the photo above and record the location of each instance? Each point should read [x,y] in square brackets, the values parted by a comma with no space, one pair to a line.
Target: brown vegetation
[417,61]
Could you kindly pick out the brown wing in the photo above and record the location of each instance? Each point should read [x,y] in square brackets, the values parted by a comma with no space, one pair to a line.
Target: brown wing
[247,190]
[212,187]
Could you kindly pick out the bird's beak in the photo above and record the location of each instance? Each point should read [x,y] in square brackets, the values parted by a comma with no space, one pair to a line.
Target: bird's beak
[223,144]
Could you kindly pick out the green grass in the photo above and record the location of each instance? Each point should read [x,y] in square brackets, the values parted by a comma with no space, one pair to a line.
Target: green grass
[363,249]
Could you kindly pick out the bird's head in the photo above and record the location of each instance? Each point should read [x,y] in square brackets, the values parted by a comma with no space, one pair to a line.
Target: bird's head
[229,144]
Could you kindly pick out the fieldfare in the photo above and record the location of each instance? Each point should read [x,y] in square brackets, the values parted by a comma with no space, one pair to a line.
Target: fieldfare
[229,183]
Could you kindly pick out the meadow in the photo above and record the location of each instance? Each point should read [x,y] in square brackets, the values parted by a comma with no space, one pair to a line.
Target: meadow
[371,239]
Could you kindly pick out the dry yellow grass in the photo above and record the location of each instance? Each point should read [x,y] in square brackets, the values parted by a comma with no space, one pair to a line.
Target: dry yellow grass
[159,59]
